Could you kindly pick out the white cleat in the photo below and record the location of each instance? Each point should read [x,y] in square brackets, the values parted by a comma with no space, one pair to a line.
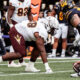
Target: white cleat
[75,55]
[75,75]
[51,56]
[49,71]
[62,56]
[31,69]
[13,65]
[23,63]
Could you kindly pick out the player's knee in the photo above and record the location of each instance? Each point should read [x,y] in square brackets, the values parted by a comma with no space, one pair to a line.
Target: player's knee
[56,40]
[64,40]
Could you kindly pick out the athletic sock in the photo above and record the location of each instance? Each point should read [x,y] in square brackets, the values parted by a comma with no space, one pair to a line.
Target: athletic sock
[1,59]
[31,64]
[63,52]
[46,66]
[54,52]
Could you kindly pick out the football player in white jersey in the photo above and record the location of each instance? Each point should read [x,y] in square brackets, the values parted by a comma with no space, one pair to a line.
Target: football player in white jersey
[47,22]
[17,13]
[35,34]
[51,19]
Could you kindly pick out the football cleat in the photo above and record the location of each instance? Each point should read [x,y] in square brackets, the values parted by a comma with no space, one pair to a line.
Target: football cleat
[31,69]
[49,71]
[75,55]
[63,56]
[75,75]
[22,64]
[13,65]
[51,56]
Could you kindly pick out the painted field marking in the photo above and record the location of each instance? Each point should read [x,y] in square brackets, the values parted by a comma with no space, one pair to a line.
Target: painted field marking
[51,62]
[56,58]
[34,73]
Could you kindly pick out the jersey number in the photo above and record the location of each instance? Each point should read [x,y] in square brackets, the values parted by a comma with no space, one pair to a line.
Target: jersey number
[22,11]
[61,16]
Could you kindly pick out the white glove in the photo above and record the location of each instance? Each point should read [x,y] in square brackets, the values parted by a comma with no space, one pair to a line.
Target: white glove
[75,43]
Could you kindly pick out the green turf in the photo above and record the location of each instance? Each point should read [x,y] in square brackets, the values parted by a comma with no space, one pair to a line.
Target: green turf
[57,67]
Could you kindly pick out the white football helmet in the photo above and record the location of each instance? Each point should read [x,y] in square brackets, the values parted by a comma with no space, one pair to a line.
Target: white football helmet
[52,22]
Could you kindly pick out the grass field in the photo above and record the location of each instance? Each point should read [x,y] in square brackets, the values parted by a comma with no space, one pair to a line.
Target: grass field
[62,68]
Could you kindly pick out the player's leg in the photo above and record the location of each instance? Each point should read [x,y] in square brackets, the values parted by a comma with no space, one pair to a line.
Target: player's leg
[22,62]
[64,39]
[55,44]
[18,44]
[30,66]
[12,63]
[64,45]
[41,48]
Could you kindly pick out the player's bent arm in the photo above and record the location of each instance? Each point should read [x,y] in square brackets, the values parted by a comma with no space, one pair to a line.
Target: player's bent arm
[41,47]
[75,20]
[10,13]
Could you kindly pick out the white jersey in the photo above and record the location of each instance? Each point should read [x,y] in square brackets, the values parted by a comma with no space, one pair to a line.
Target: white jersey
[21,9]
[28,32]
[52,22]
[49,22]
[44,22]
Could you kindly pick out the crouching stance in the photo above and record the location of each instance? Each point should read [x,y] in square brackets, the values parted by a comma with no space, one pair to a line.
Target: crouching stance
[33,34]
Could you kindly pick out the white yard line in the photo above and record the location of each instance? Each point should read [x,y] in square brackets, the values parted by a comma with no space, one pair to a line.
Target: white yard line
[58,58]
[60,61]
[34,73]
[26,73]
[51,62]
